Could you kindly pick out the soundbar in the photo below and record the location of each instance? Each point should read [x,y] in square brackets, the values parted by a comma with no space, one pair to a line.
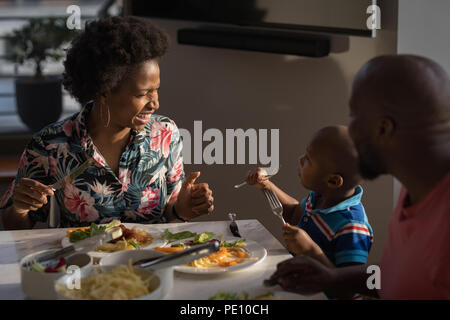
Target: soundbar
[281,42]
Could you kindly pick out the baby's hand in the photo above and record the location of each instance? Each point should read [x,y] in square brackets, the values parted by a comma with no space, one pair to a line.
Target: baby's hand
[257,178]
[298,241]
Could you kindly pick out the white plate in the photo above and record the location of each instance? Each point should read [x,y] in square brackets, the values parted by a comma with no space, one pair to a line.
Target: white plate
[254,248]
[157,236]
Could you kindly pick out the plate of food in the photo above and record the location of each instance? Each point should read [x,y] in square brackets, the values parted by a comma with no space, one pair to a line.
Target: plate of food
[234,254]
[133,237]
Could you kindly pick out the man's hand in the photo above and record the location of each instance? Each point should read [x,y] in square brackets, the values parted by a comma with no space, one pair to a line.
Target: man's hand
[194,200]
[303,275]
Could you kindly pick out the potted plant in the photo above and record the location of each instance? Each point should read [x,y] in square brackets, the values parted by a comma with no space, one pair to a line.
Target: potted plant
[38,97]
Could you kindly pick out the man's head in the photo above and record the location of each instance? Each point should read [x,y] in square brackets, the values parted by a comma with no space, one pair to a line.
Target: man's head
[330,161]
[397,104]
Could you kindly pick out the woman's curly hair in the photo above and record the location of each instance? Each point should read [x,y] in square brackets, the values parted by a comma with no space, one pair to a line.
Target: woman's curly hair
[101,56]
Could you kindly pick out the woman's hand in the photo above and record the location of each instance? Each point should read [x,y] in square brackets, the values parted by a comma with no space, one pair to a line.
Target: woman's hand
[29,195]
[258,178]
[194,200]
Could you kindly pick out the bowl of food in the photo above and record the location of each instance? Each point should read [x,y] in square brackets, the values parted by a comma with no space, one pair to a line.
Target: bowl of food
[38,279]
[126,257]
[117,282]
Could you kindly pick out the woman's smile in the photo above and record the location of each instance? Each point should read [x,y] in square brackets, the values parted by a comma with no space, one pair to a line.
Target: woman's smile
[144,117]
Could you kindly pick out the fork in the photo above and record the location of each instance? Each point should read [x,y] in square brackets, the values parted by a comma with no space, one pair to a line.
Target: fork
[275,204]
[54,215]
[72,176]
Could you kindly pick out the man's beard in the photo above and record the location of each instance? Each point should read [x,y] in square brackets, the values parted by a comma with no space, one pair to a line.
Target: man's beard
[370,165]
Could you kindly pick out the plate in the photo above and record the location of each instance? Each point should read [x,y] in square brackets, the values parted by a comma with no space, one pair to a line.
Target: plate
[157,236]
[255,249]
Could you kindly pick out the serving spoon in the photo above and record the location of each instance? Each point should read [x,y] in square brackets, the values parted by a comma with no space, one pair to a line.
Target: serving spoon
[179,258]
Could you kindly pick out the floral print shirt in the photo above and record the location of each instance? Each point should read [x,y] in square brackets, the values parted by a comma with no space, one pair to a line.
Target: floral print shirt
[150,172]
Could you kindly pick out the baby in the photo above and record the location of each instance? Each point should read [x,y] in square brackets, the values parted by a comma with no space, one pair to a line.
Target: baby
[330,224]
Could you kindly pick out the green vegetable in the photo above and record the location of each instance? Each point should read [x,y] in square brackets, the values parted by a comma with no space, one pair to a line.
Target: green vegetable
[61,269]
[78,235]
[134,244]
[93,230]
[204,237]
[96,229]
[222,295]
[178,236]
[37,267]
[237,243]
[181,244]
[268,295]
[112,224]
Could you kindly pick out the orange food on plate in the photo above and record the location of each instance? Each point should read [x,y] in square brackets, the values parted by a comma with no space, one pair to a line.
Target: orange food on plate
[169,249]
[225,257]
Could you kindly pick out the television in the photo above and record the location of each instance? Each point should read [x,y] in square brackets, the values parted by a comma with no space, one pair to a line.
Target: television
[347,17]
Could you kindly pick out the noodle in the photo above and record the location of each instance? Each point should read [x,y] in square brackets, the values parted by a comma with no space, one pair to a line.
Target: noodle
[113,247]
[120,283]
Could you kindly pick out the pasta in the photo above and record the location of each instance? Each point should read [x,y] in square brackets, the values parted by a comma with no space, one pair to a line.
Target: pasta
[120,283]
[225,257]
[113,247]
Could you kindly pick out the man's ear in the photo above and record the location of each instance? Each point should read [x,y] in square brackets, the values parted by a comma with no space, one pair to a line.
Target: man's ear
[335,181]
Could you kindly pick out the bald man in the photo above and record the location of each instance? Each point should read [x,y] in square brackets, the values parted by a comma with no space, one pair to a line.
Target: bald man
[400,124]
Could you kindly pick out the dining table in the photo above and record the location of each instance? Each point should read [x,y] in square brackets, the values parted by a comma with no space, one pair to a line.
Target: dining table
[16,244]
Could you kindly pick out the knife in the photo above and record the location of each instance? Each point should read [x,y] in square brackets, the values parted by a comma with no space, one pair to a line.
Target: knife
[233,225]
[54,214]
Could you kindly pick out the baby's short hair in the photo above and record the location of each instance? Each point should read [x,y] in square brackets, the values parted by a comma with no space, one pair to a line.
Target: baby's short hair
[338,153]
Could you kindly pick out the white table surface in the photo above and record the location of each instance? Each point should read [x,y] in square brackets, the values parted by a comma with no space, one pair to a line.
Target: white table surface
[14,245]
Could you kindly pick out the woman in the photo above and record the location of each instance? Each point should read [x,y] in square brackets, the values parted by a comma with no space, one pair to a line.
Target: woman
[135,172]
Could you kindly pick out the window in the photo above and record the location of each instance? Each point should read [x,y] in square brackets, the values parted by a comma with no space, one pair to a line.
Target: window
[15,13]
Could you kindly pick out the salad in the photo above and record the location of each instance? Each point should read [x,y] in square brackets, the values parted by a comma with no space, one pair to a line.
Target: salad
[78,234]
[131,239]
[199,238]
[54,268]
[222,295]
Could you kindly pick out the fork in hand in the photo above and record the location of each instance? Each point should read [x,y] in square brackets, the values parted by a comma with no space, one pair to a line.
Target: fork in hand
[275,204]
